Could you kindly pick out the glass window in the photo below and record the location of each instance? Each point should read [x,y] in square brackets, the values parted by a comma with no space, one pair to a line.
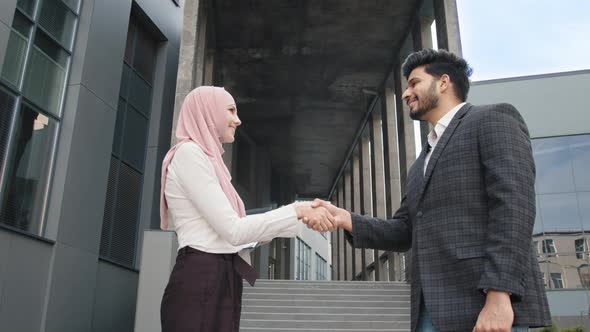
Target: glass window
[559,212]
[554,165]
[548,246]
[303,260]
[321,268]
[134,138]
[27,6]
[7,106]
[24,196]
[536,246]
[45,76]
[34,68]
[58,20]
[145,56]
[16,49]
[122,205]
[580,148]
[556,280]
[580,245]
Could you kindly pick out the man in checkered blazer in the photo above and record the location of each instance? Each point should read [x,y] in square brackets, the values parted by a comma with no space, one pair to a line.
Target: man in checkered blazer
[468,211]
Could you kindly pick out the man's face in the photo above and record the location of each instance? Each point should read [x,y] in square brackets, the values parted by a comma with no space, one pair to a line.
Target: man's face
[421,94]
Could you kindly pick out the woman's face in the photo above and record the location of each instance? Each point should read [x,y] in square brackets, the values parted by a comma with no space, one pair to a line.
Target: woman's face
[233,121]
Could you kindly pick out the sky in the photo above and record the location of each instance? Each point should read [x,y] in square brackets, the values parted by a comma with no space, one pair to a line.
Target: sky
[510,38]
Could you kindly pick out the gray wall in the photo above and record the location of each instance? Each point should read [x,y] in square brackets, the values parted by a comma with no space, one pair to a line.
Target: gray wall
[552,104]
[63,286]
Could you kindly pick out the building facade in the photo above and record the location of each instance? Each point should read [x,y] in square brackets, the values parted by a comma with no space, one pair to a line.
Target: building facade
[85,89]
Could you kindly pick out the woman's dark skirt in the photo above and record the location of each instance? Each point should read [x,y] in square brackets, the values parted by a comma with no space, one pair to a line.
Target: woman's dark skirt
[204,293]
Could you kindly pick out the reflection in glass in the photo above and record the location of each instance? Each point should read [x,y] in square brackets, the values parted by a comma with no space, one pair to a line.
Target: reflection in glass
[45,77]
[58,20]
[559,212]
[7,102]
[584,205]
[554,165]
[16,49]
[27,6]
[580,147]
[563,210]
[556,280]
[27,174]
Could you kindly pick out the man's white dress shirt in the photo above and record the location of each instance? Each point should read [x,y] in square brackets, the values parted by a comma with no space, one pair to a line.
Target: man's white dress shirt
[438,130]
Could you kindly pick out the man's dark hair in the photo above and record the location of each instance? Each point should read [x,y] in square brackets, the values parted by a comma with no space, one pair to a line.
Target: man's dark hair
[438,63]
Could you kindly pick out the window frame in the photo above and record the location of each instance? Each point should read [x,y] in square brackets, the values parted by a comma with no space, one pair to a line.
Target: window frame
[21,100]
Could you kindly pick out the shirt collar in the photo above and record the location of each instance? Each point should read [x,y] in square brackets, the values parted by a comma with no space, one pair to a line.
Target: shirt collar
[442,124]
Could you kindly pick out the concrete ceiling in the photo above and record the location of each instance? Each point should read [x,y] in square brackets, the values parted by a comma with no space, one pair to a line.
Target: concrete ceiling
[297,69]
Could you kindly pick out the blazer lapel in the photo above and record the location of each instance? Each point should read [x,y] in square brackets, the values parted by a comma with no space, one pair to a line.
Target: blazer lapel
[442,143]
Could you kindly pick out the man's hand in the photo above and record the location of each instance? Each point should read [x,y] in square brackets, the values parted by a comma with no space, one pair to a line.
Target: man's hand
[497,314]
[318,219]
[341,216]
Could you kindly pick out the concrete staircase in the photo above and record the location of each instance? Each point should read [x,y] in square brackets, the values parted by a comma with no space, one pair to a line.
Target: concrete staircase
[334,306]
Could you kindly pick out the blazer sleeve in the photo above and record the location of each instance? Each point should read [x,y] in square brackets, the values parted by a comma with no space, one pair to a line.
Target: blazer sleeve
[509,175]
[374,233]
[198,181]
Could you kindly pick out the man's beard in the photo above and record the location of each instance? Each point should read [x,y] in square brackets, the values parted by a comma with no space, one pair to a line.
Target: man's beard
[426,103]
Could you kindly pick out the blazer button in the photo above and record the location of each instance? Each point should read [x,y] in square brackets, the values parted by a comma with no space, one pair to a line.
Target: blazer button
[419,214]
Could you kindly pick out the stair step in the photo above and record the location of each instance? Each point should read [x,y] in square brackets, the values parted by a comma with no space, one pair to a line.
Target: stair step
[343,317]
[263,329]
[283,324]
[324,297]
[401,310]
[330,306]
[329,284]
[327,290]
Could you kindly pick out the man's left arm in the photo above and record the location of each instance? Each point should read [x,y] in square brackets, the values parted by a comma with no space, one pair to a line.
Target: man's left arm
[509,175]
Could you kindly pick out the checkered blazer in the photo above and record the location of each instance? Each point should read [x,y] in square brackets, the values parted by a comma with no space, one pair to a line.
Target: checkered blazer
[468,221]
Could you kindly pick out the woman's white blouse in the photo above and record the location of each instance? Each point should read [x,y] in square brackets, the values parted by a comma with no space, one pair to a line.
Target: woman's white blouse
[202,216]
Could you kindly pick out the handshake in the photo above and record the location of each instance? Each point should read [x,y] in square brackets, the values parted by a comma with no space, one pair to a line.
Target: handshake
[322,216]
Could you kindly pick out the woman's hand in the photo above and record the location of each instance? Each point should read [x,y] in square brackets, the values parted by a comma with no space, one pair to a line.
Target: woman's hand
[318,219]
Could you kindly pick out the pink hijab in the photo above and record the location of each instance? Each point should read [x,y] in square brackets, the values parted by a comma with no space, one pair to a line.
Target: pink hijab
[203,120]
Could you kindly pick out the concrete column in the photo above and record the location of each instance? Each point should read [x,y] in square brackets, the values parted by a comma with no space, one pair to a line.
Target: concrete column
[390,134]
[191,55]
[378,177]
[341,239]
[348,254]
[333,248]
[209,67]
[447,26]
[408,124]
[358,193]
[367,203]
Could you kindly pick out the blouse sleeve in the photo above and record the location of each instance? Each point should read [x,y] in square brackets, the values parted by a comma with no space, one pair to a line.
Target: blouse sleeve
[198,181]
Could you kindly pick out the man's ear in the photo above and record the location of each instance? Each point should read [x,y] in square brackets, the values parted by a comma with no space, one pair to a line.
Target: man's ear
[445,82]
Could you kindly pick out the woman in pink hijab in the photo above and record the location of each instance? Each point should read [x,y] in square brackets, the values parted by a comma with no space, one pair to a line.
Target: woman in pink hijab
[201,205]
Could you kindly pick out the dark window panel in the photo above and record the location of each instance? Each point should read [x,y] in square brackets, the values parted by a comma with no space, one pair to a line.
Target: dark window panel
[126,216]
[129,45]
[134,138]
[145,55]
[45,76]
[16,49]
[58,20]
[107,223]
[7,103]
[27,172]
[139,93]
[119,125]
[27,6]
